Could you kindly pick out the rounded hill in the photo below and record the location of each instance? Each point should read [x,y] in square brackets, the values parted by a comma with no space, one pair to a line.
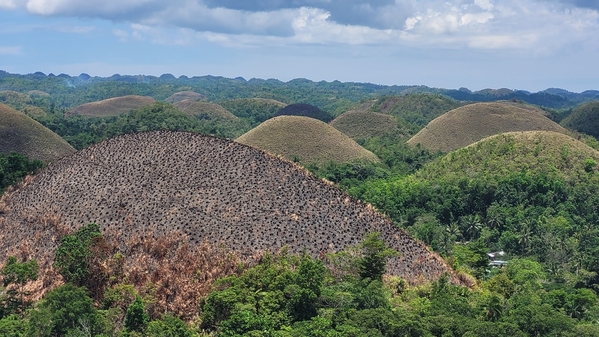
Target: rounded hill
[214,117]
[359,124]
[418,109]
[536,151]
[306,110]
[183,95]
[585,119]
[306,139]
[22,134]
[256,110]
[112,106]
[200,190]
[468,124]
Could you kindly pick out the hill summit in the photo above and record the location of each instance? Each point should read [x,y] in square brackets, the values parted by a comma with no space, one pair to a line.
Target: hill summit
[111,106]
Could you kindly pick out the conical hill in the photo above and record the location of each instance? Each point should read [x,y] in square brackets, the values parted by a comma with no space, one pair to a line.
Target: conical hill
[200,190]
[20,133]
[111,107]
[184,95]
[360,124]
[306,139]
[468,124]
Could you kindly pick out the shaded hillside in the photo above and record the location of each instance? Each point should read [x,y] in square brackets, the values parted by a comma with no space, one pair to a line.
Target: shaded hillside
[585,119]
[532,151]
[112,106]
[214,118]
[24,102]
[153,193]
[256,110]
[306,110]
[358,124]
[22,134]
[183,95]
[471,123]
[306,139]
[417,109]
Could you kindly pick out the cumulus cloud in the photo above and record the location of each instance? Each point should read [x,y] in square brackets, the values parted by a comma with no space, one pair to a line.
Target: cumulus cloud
[538,25]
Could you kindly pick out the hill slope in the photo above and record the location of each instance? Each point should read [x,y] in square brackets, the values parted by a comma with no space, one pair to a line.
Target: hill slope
[468,124]
[257,110]
[183,95]
[307,110]
[22,134]
[359,124]
[201,191]
[417,109]
[112,106]
[214,118]
[307,138]
[585,119]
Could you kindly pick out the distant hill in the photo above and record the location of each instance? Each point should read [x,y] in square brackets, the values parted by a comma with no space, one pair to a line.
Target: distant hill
[306,139]
[184,95]
[306,110]
[214,117]
[22,134]
[23,102]
[359,124]
[585,119]
[168,200]
[112,106]
[417,109]
[468,124]
[256,110]
[536,151]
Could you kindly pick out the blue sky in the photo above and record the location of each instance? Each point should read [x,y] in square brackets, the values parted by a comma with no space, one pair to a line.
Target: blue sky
[517,44]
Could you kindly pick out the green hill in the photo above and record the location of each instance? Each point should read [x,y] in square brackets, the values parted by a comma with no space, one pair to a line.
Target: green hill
[585,119]
[468,124]
[359,124]
[23,102]
[22,134]
[418,109]
[306,139]
[183,95]
[256,110]
[214,117]
[112,106]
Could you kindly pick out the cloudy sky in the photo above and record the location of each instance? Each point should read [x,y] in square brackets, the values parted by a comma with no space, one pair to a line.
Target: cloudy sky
[517,44]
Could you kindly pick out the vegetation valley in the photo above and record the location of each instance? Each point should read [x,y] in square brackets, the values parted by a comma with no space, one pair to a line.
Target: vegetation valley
[209,206]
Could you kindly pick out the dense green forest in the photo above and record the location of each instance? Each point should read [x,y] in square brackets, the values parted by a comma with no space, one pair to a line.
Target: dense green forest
[542,215]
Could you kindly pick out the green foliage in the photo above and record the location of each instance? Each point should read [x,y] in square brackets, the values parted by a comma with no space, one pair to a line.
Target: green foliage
[169,326]
[375,256]
[18,274]
[66,309]
[136,318]
[15,166]
[73,255]
[12,326]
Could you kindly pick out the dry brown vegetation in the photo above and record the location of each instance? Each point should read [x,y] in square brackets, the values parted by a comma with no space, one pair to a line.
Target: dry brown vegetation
[360,124]
[204,110]
[185,208]
[468,124]
[308,139]
[112,106]
[184,95]
[22,134]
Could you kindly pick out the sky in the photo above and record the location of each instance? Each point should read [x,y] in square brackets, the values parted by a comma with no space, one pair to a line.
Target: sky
[517,44]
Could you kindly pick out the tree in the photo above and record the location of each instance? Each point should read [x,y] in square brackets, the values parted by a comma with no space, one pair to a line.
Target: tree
[375,256]
[136,318]
[19,274]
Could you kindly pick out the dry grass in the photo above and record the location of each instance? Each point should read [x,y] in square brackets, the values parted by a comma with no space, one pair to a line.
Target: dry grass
[185,208]
[184,95]
[22,134]
[535,151]
[468,124]
[112,106]
[359,124]
[308,139]
[205,110]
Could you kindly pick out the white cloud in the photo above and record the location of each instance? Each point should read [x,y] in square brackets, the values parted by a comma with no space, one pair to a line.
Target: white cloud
[11,50]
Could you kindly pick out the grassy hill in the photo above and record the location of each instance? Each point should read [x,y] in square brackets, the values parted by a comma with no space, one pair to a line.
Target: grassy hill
[418,109]
[585,119]
[22,134]
[256,110]
[168,200]
[359,124]
[534,151]
[183,95]
[23,102]
[306,110]
[306,139]
[468,124]
[112,106]
[213,117]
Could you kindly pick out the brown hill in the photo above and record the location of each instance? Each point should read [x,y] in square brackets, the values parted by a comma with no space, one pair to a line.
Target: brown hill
[161,198]
[359,124]
[204,110]
[306,139]
[22,134]
[183,95]
[112,106]
[468,124]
